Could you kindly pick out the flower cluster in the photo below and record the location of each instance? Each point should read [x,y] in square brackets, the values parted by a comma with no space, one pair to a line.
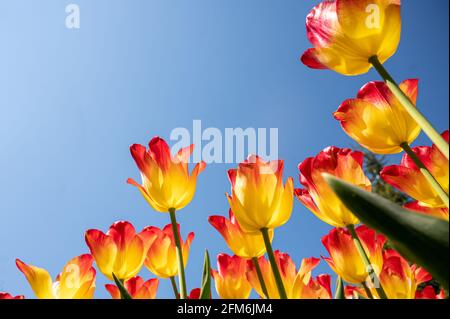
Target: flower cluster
[382,118]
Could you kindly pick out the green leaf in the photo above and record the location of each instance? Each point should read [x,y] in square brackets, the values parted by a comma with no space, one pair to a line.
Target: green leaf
[123,291]
[205,292]
[419,238]
[339,293]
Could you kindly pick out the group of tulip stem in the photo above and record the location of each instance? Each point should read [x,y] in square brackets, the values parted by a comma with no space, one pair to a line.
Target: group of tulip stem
[427,128]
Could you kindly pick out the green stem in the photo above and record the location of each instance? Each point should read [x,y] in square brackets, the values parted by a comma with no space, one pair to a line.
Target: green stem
[365,258]
[425,172]
[426,126]
[260,277]
[273,264]
[174,287]
[176,236]
[367,290]
[124,294]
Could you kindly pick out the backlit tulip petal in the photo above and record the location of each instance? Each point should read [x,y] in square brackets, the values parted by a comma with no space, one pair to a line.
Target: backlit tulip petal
[166,182]
[428,293]
[136,287]
[398,278]
[439,212]
[259,199]
[5,295]
[230,277]
[353,292]
[307,287]
[345,259]
[318,196]
[377,120]
[346,33]
[76,281]
[120,251]
[408,178]
[245,245]
[161,257]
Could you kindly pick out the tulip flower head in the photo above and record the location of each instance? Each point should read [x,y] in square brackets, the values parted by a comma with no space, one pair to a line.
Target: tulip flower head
[245,245]
[288,274]
[120,251]
[439,212]
[194,294]
[318,196]
[428,292]
[259,199]
[354,292]
[136,287]
[377,120]
[398,278]
[76,280]
[166,181]
[6,295]
[345,259]
[408,178]
[161,257]
[230,277]
[307,287]
[345,34]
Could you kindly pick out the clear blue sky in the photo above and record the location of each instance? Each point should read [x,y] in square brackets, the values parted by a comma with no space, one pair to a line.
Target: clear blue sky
[72,101]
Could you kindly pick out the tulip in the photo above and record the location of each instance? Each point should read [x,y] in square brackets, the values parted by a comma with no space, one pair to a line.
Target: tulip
[161,257]
[408,178]
[318,196]
[5,295]
[76,281]
[245,245]
[400,279]
[307,287]
[120,251]
[287,270]
[230,278]
[345,259]
[259,199]
[353,292]
[377,120]
[439,212]
[166,182]
[261,202]
[428,293]
[136,287]
[345,34]
[194,294]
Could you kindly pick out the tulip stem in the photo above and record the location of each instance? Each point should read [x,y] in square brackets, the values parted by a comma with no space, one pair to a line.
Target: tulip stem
[409,106]
[370,271]
[273,264]
[367,290]
[174,287]
[260,277]
[425,172]
[176,236]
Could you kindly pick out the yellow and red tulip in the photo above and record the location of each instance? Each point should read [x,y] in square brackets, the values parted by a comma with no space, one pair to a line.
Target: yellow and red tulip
[136,287]
[166,181]
[439,212]
[245,245]
[120,251]
[428,292]
[400,279]
[259,199]
[318,196]
[345,259]
[353,292]
[230,277]
[307,287]
[408,178]
[288,273]
[76,280]
[377,120]
[6,295]
[345,34]
[161,257]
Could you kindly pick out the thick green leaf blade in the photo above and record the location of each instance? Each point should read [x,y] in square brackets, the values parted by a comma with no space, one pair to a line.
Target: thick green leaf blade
[123,291]
[339,293]
[205,292]
[419,238]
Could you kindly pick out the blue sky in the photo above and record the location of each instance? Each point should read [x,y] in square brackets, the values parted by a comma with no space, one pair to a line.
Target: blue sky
[73,101]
